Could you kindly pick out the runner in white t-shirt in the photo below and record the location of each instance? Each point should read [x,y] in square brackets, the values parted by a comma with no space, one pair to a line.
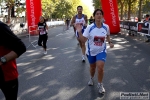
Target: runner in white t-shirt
[82,20]
[96,35]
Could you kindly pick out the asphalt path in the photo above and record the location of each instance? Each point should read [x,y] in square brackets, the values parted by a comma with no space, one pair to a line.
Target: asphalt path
[61,75]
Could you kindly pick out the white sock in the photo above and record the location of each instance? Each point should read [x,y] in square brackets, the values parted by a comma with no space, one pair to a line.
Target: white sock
[99,83]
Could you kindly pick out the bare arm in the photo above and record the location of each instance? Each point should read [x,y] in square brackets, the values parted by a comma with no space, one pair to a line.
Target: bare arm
[15,44]
[82,38]
[73,21]
[109,41]
[86,20]
[10,56]
[46,27]
[79,29]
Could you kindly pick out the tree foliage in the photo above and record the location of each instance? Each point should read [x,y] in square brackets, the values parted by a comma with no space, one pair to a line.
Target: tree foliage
[129,8]
[97,4]
[146,6]
[19,10]
[10,4]
[52,8]
[62,8]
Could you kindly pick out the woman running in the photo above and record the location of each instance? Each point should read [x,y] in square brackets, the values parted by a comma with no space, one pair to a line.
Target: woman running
[42,27]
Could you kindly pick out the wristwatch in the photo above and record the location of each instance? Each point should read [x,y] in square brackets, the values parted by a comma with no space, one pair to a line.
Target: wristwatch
[3,60]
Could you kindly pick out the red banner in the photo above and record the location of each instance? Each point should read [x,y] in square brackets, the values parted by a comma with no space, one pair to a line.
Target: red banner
[34,11]
[110,8]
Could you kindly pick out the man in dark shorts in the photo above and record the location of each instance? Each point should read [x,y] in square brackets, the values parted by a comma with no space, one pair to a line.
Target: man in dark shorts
[91,20]
[67,23]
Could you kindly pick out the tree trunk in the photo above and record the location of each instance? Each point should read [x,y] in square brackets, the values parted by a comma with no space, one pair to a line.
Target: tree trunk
[9,13]
[129,10]
[140,9]
[121,11]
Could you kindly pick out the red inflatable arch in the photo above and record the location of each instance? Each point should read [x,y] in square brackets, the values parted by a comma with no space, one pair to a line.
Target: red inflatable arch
[110,8]
[34,11]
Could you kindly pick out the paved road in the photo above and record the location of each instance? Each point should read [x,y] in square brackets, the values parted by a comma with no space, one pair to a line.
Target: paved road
[60,75]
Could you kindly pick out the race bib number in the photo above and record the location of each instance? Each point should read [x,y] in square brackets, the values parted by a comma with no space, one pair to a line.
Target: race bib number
[98,41]
[42,31]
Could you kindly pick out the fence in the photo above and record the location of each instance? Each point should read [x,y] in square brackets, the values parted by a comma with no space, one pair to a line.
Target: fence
[14,20]
[33,36]
[142,30]
[22,28]
[55,23]
[19,28]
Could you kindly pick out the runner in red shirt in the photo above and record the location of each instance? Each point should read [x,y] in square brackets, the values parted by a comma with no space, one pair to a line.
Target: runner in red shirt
[11,47]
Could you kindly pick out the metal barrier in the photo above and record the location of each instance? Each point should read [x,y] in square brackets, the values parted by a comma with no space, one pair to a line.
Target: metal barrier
[19,28]
[54,23]
[124,25]
[33,36]
[142,30]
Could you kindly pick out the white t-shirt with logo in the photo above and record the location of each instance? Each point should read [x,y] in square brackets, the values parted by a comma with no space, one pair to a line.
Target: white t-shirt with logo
[96,42]
[80,21]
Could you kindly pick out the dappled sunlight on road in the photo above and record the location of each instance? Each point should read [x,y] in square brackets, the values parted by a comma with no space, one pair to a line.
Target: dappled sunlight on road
[35,74]
[28,91]
[112,68]
[30,51]
[66,93]
[40,92]
[61,75]
[35,53]
[68,51]
[48,68]
[53,82]
[52,48]
[118,81]
[23,64]
[119,40]
[113,95]
[48,57]
[117,47]
[138,61]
